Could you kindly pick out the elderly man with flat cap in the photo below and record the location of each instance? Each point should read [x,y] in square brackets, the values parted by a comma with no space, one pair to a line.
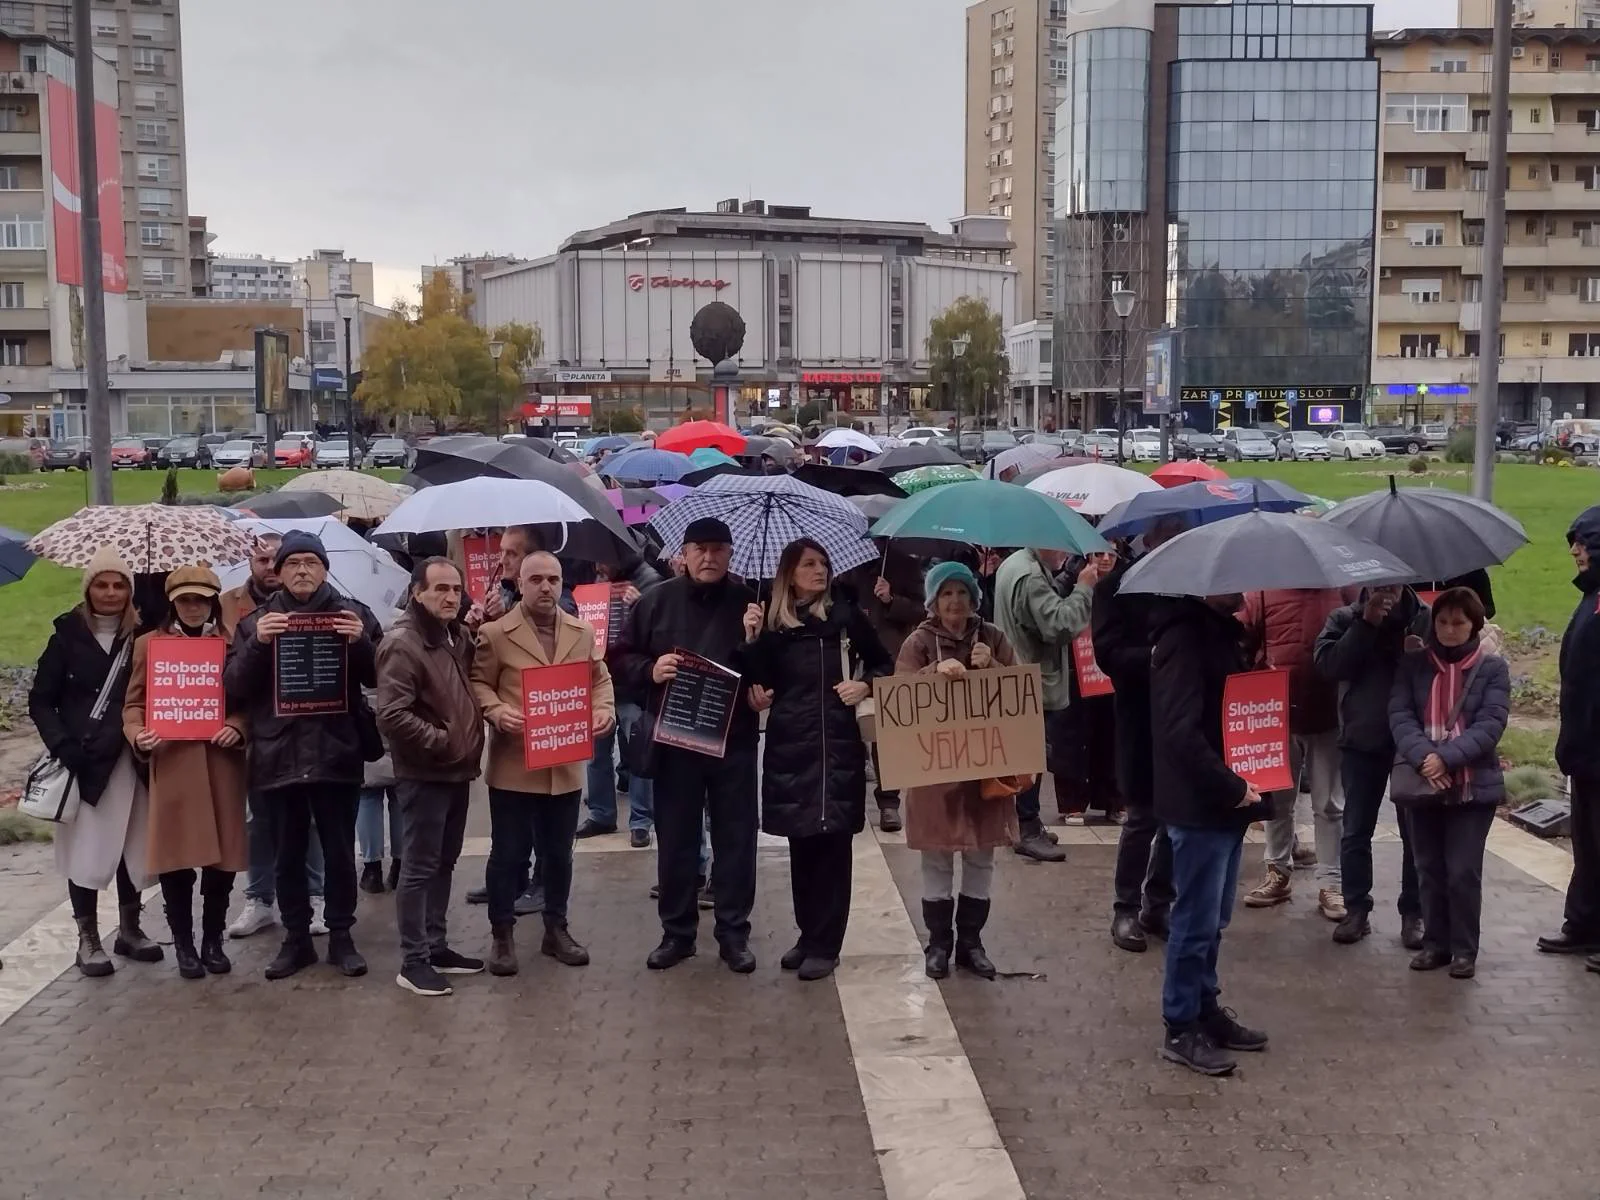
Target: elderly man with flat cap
[705,612]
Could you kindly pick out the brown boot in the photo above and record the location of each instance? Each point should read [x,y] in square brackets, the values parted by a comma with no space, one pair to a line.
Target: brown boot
[558,944]
[503,957]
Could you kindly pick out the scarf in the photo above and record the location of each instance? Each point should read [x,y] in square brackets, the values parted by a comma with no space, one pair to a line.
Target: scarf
[1451,665]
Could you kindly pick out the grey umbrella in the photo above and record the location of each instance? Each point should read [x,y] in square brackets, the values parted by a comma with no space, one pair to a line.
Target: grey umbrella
[1261,551]
[1442,534]
[15,557]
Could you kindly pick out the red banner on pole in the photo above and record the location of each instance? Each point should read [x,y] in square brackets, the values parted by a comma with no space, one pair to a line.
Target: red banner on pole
[557,712]
[482,555]
[1092,681]
[183,688]
[1255,729]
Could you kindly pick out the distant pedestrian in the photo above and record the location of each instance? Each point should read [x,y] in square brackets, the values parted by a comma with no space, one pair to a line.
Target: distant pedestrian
[946,819]
[197,790]
[816,657]
[1448,711]
[429,717]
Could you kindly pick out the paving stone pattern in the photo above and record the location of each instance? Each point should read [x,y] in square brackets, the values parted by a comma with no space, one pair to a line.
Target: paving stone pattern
[562,1084]
[1380,1083]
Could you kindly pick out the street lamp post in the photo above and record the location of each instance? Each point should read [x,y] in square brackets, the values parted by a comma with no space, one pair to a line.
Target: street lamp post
[958,351]
[348,305]
[1122,300]
[496,349]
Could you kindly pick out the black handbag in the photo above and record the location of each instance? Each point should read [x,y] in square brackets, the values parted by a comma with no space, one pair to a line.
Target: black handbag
[372,748]
[640,753]
[1407,785]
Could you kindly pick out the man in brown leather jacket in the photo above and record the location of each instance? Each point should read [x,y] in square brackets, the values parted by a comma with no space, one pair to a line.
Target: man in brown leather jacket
[434,730]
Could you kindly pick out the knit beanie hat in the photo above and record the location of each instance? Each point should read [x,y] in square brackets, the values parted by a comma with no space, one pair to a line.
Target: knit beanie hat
[946,572]
[105,561]
[298,541]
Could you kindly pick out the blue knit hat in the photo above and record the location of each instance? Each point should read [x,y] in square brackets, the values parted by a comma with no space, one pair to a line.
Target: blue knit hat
[298,541]
[943,573]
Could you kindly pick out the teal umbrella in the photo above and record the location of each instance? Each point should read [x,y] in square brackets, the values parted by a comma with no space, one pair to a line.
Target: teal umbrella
[985,512]
[710,456]
[920,479]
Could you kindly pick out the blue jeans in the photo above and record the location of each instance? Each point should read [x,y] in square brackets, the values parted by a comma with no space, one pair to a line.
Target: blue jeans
[602,797]
[369,824]
[262,833]
[1205,874]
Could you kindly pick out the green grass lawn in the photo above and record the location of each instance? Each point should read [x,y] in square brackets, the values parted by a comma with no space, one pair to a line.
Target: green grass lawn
[28,608]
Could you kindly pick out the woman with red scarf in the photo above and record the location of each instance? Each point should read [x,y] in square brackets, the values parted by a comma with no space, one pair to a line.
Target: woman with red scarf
[1448,712]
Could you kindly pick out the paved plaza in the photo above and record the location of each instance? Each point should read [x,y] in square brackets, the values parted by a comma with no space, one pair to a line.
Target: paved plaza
[612,1081]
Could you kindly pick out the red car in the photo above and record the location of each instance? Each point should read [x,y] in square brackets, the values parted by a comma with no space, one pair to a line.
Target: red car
[131,452]
[293,453]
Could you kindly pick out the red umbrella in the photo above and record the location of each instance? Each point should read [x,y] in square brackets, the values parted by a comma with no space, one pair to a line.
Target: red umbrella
[1176,474]
[695,435]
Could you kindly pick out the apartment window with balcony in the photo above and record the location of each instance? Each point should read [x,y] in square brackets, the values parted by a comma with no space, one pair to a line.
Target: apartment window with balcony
[160,271]
[325,331]
[995,108]
[1060,10]
[157,167]
[1530,285]
[1588,288]
[10,178]
[1480,120]
[1477,179]
[105,27]
[149,98]
[1005,185]
[149,61]
[20,233]
[1536,115]
[14,352]
[1533,171]
[151,27]
[1448,62]
[152,133]
[11,295]
[17,14]
[1472,233]
[1583,345]
[1544,337]
[156,200]
[153,233]
[1060,68]
[1427,112]
[1419,345]
[1472,289]
[58,22]
[996,131]
[1425,235]
[1422,291]
[1426,179]
[1589,176]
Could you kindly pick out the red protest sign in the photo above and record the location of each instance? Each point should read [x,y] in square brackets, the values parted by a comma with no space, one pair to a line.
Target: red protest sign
[556,711]
[601,605]
[1428,596]
[1092,681]
[482,555]
[183,688]
[1255,729]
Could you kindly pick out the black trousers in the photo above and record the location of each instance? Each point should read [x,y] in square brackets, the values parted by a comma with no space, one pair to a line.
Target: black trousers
[1583,893]
[1447,841]
[885,799]
[433,823]
[1366,778]
[819,876]
[689,788]
[177,894]
[520,824]
[1143,878]
[86,901]
[333,807]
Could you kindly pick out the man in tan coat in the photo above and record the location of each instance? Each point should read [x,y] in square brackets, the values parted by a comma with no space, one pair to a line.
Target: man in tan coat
[533,811]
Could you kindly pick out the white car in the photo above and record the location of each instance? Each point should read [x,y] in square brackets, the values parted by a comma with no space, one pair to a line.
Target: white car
[920,435]
[1142,445]
[1351,444]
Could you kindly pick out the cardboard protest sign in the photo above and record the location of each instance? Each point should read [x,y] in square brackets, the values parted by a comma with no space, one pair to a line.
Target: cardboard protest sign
[697,706]
[1255,729]
[183,688]
[311,667]
[556,711]
[601,605]
[932,729]
[482,556]
[1092,681]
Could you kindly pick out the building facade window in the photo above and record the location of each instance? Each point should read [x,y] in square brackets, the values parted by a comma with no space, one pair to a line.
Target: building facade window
[21,233]
[1425,235]
[153,233]
[1419,345]
[1427,112]
[156,200]
[14,352]
[159,271]
[155,167]
[10,177]
[1422,291]
[149,61]
[11,295]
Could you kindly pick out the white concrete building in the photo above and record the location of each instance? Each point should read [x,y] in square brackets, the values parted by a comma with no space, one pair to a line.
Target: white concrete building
[1028,347]
[251,277]
[834,310]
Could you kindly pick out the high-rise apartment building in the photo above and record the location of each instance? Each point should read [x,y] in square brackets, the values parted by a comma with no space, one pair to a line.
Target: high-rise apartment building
[1435,139]
[251,277]
[1532,14]
[328,272]
[143,38]
[1014,73]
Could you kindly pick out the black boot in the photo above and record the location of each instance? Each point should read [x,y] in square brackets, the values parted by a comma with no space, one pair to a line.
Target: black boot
[889,819]
[938,916]
[371,880]
[213,918]
[131,941]
[971,916]
[342,953]
[296,953]
[180,920]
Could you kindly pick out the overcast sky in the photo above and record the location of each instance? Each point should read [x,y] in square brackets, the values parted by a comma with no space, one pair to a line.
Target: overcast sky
[409,131]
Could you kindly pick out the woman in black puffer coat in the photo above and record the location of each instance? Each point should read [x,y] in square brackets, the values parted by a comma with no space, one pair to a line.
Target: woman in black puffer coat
[817,656]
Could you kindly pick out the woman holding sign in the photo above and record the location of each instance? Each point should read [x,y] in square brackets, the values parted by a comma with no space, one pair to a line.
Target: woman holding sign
[175,720]
[947,819]
[1448,712]
[814,768]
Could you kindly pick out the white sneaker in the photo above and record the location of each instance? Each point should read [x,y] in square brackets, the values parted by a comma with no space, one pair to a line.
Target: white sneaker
[255,917]
[319,924]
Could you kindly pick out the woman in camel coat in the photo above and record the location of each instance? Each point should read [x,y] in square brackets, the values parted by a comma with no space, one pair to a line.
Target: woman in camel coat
[197,790]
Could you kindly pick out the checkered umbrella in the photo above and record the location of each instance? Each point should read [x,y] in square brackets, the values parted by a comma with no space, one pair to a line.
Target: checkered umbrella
[765,513]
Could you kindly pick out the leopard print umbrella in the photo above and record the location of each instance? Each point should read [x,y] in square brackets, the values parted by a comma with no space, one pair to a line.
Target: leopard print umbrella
[150,538]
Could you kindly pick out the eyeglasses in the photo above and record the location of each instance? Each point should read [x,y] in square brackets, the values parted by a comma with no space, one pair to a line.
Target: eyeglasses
[301,563]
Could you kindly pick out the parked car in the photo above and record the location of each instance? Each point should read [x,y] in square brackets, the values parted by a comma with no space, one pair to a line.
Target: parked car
[154,444]
[1353,443]
[920,434]
[1191,444]
[131,452]
[63,454]
[1303,445]
[294,453]
[1142,445]
[241,452]
[1580,437]
[1098,445]
[31,447]
[1400,439]
[388,452]
[334,453]
[183,452]
[1243,443]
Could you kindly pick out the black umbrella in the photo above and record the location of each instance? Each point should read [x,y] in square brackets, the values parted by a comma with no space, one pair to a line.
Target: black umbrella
[286,505]
[906,458]
[453,459]
[847,481]
[15,557]
[1442,534]
[1262,551]
[554,451]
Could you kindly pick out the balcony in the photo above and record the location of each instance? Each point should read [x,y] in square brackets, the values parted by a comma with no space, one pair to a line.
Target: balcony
[1398,252]
[1401,197]
[21,260]
[25,379]
[1566,196]
[27,320]
[28,145]
[1566,308]
[1397,309]
[1579,251]
[32,82]
[1475,84]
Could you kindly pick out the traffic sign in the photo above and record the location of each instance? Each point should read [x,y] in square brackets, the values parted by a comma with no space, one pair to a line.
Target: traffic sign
[329,379]
[1251,399]
[1291,397]
[1216,399]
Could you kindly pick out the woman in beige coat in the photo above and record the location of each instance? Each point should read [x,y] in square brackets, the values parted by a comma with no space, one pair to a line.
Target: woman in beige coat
[949,818]
[197,790]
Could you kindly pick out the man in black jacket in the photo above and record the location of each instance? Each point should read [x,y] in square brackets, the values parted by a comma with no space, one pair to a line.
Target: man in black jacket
[1206,809]
[1578,746]
[310,766]
[703,612]
[1359,649]
[1122,627]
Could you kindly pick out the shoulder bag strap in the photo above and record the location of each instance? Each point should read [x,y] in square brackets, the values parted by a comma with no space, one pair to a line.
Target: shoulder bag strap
[1461,700]
[103,700]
